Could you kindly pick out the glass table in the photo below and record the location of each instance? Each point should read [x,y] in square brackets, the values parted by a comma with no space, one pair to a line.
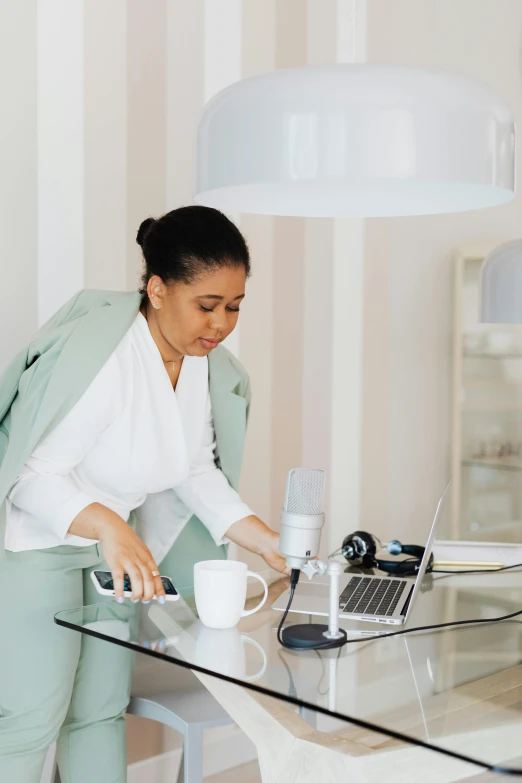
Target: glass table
[455,691]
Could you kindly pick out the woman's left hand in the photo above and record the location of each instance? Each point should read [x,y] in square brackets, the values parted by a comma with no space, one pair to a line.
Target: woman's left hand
[252,534]
[274,558]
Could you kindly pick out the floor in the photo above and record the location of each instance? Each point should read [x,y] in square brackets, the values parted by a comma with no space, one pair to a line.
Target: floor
[246,773]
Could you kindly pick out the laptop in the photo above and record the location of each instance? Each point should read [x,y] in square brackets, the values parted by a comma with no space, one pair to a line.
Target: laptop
[376,599]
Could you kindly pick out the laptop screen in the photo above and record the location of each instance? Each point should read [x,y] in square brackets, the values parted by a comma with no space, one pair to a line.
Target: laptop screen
[441,507]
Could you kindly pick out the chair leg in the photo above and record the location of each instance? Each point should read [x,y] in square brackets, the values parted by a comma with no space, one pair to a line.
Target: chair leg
[191,769]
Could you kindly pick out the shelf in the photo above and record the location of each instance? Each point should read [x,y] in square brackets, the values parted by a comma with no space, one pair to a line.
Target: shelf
[468,355]
[487,407]
[494,464]
[492,384]
[481,407]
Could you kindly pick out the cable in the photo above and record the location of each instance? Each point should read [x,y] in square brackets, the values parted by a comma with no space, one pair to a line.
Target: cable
[294,579]
[323,667]
[291,683]
[434,627]
[283,618]
[452,572]
[477,570]
[449,574]
[335,552]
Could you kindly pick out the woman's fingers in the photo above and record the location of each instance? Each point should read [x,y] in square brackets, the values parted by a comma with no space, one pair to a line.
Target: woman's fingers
[149,583]
[136,580]
[159,590]
[117,581]
[140,566]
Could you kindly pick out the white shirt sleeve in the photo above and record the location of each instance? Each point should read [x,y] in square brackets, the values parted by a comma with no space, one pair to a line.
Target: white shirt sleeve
[44,486]
[207,492]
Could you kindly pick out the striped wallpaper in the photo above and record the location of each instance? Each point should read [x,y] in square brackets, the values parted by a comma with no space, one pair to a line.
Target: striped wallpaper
[111,113]
[346,327]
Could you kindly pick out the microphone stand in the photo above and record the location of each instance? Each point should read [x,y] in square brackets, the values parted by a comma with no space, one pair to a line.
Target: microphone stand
[316,636]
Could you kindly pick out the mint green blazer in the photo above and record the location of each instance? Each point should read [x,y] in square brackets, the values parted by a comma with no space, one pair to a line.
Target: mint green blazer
[47,377]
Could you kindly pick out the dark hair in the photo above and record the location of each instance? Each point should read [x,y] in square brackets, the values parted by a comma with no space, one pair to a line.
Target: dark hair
[188,242]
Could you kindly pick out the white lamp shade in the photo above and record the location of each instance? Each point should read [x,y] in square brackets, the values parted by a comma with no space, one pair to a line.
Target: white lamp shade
[355,140]
[501,285]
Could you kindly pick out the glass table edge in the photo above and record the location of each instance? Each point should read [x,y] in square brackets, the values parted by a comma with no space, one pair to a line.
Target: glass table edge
[499,769]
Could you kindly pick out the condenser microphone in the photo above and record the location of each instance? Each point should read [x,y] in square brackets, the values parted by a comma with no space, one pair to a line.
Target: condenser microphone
[301,521]
[302,516]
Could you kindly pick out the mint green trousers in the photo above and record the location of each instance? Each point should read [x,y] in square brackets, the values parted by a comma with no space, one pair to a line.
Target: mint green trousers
[56,683]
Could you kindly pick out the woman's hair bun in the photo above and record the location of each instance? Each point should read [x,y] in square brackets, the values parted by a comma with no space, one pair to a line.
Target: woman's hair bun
[143,229]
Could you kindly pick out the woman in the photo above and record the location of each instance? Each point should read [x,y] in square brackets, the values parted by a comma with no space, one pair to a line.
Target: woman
[142,432]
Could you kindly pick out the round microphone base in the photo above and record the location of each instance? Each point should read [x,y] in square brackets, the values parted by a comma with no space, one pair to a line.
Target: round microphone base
[310,636]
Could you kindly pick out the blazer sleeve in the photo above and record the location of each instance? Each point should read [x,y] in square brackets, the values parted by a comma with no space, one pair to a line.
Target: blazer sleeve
[207,492]
[45,487]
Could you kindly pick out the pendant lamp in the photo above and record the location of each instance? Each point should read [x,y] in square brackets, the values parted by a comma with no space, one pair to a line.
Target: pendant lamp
[501,285]
[359,140]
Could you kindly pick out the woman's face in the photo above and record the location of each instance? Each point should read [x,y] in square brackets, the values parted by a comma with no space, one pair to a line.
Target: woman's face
[208,308]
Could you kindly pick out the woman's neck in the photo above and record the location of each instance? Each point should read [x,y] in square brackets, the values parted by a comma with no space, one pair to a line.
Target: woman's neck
[168,354]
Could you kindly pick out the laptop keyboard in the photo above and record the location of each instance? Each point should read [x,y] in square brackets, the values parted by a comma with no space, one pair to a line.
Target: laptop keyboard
[363,595]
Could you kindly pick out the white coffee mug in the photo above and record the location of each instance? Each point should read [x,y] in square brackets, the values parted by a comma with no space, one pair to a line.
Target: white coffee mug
[220,588]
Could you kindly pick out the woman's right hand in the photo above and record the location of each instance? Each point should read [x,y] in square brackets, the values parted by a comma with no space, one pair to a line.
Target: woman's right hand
[123,550]
[125,553]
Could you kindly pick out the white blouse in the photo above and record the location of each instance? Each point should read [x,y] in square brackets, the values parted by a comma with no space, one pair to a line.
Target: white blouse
[130,434]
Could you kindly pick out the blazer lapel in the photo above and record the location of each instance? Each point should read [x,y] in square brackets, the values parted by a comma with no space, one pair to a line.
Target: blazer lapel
[229,414]
[95,337]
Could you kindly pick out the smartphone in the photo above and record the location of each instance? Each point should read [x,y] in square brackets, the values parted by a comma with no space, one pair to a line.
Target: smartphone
[103,584]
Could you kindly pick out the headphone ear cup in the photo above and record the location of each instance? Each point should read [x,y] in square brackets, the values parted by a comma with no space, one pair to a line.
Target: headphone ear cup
[371,546]
[362,546]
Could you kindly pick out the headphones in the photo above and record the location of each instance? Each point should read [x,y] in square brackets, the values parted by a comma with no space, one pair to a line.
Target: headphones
[360,549]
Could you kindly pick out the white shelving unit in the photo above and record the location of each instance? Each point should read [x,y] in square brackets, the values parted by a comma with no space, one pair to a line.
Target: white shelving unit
[487,413]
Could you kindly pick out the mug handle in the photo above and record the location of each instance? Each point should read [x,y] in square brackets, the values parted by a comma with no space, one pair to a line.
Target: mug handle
[244,613]
[248,640]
